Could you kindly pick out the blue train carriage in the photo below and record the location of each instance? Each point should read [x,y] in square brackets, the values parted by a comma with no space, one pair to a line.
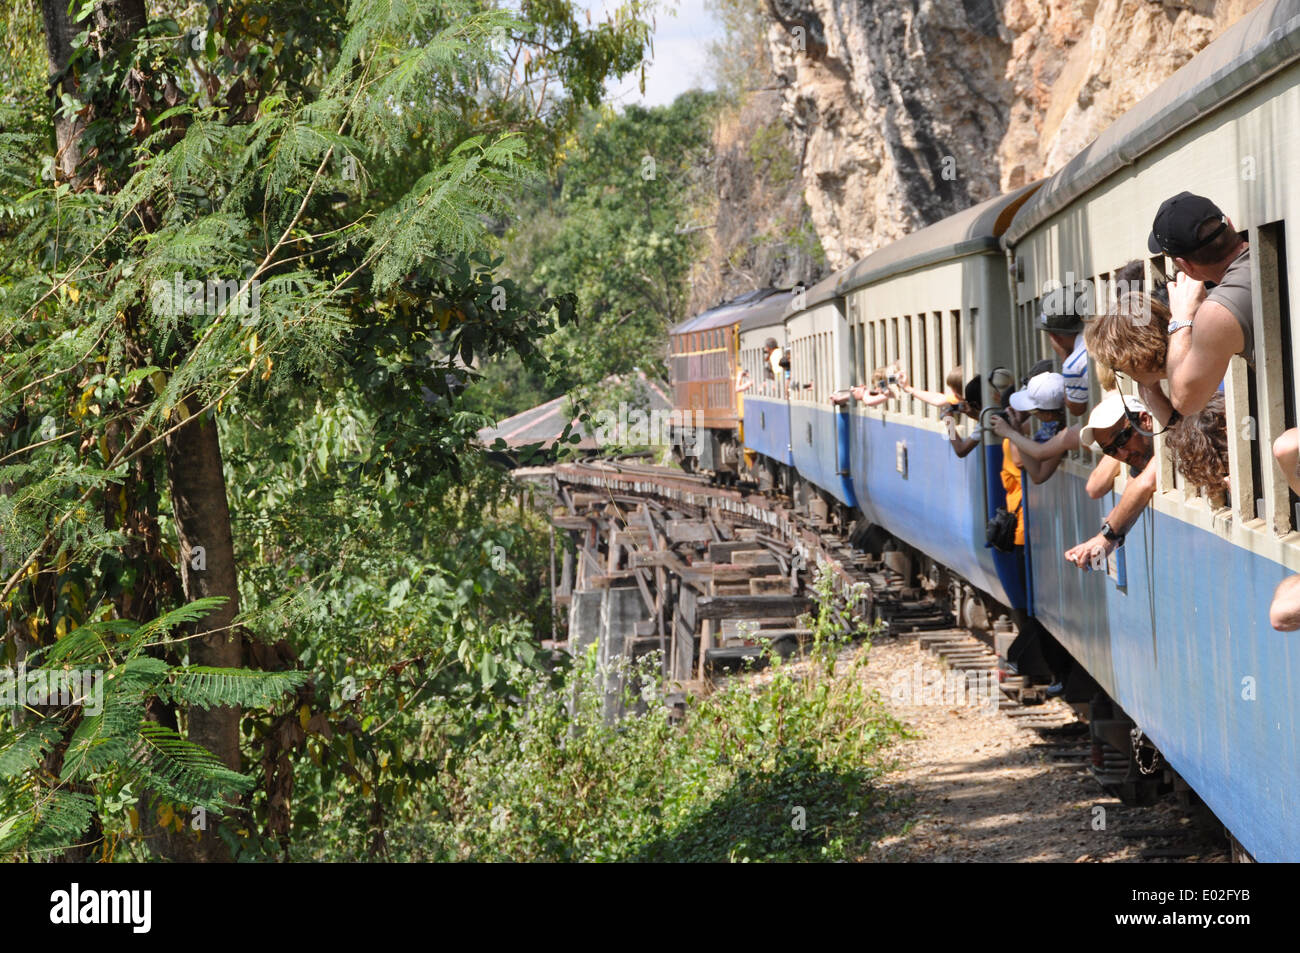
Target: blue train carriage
[764,409]
[937,298]
[819,431]
[1177,631]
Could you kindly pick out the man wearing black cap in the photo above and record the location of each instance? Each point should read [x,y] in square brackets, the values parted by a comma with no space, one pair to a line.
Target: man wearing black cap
[1207,329]
[1203,243]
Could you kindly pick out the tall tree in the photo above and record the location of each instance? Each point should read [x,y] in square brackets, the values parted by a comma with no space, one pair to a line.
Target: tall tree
[242,207]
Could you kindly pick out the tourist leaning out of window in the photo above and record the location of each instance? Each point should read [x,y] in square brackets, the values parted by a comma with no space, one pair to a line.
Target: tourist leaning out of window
[1120,428]
[1044,397]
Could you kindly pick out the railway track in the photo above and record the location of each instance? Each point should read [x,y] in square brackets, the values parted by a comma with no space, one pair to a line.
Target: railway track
[616,497]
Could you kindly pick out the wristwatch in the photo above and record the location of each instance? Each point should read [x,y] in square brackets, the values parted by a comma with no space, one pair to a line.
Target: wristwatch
[1177,325]
[1110,535]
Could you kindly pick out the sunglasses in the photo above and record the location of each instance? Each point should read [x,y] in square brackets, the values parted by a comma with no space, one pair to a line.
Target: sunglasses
[1120,439]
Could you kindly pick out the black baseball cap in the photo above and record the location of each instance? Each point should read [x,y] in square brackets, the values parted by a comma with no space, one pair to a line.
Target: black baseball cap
[1174,229]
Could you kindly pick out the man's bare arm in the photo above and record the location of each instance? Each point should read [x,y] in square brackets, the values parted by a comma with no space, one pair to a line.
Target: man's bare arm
[1134,500]
[1284,612]
[1199,355]
[1102,478]
[1067,439]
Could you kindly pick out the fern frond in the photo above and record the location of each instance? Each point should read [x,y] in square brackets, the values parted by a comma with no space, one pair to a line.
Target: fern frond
[183,771]
[188,614]
[207,687]
[26,746]
[50,822]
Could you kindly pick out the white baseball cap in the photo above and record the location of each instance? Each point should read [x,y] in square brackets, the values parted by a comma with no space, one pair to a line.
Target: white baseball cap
[1043,392]
[1107,414]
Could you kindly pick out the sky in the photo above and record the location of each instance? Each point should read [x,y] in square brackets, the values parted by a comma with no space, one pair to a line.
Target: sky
[681,45]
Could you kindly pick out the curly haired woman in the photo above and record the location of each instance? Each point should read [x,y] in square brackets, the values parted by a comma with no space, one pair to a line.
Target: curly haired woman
[1199,446]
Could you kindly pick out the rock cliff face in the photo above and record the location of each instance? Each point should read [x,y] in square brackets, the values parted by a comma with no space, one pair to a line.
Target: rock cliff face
[761,231]
[905,111]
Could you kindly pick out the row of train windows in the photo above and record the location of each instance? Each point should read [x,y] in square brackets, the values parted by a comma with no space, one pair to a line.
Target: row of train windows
[926,346]
[699,341]
[812,367]
[1260,402]
[765,383]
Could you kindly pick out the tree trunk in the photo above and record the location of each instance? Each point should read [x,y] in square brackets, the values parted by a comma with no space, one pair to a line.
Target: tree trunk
[59,34]
[194,465]
[198,491]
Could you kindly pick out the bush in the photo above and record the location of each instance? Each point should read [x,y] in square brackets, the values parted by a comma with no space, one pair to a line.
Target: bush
[780,766]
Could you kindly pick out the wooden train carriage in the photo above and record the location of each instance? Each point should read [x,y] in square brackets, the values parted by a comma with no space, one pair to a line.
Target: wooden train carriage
[1177,629]
[702,364]
[704,354]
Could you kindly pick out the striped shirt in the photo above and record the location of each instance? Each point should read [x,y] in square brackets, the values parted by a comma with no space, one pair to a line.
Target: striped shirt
[1075,372]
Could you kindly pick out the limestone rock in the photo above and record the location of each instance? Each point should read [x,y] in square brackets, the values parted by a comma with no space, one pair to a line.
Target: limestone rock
[905,112]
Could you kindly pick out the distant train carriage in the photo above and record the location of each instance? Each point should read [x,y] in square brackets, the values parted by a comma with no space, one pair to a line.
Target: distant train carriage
[764,408]
[703,355]
[820,366]
[928,302]
[1177,631]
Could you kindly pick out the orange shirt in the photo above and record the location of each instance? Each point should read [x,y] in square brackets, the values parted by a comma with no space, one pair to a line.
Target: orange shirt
[1015,493]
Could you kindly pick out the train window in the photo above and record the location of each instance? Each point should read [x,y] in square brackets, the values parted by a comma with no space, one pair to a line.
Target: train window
[1274,392]
[941,347]
[803,372]
[1256,503]
[920,360]
[818,367]
[798,368]
[905,356]
[959,346]
[864,358]
[826,379]
[829,378]
[814,369]
[810,372]
[815,362]
[882,350]
[935,347]
[854,371]
[814,346]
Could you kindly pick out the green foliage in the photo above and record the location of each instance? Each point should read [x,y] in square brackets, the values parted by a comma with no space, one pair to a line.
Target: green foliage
[780,767]
[357,160]
[615,228]
[112,746]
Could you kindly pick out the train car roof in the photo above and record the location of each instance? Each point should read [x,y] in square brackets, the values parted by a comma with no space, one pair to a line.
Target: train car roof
[1253,48]
[726,313]
[767,313]
[824,290]
[972,230]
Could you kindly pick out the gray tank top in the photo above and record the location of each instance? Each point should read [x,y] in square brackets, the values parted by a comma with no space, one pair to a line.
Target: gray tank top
[1233,293]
